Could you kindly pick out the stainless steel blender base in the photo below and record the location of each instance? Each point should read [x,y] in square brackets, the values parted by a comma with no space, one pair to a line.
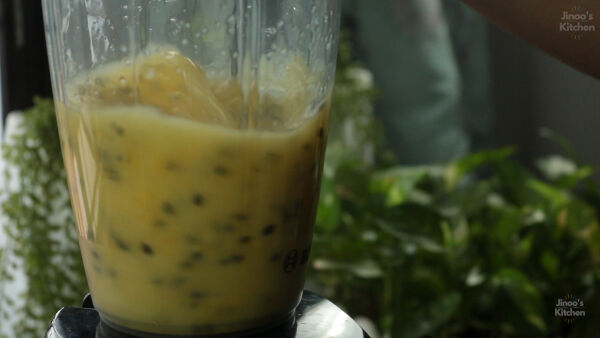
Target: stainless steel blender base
[315,317]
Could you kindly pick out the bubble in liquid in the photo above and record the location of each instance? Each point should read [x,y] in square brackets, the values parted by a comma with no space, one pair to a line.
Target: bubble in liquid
[231,19]
[125,17]
[122,80]
[231,31]
[123,49]
[280,24]
[187,25]
[184,42]
[235,55]
[204,30]
[172,19]
[223,53]
[197,35]
[125,7]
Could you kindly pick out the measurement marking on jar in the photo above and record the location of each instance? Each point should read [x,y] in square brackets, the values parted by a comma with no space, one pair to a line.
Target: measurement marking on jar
[290,261]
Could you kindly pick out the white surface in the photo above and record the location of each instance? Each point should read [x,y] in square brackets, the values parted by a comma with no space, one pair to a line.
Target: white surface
[17,286]
[1,102]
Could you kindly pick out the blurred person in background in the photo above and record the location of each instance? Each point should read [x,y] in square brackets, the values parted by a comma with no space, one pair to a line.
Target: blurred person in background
[430,61]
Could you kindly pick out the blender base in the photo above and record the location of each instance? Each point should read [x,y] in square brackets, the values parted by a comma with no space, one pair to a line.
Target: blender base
[314,317]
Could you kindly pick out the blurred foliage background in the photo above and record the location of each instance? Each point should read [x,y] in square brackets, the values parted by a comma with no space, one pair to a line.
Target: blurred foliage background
[481,246]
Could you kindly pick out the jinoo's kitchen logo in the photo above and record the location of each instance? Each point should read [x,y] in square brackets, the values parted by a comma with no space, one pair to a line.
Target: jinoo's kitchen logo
[577,21]
[569,308]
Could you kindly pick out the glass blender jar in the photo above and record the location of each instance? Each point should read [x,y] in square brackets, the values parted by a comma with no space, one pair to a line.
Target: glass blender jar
[193,135]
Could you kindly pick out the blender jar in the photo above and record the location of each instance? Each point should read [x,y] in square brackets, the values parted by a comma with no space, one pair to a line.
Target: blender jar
[193,135]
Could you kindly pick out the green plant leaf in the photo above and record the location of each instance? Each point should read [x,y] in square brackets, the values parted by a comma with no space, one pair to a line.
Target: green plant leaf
[397,183]
[524,295]
[426,320]
[329,212]
[457,170]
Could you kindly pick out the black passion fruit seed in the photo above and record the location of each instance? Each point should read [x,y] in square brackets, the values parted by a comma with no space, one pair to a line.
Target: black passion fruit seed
[172,166]
[221,170]
[117,129]
[120,243]
[268,230]
[245,239]
[240,217]
[95,254]
[192,240]
[197,199]
[168,208]
[147,249]
[197,295]
[321,133]
[196,256]
[112,174]
[305,254]
[159,223]
[232,260]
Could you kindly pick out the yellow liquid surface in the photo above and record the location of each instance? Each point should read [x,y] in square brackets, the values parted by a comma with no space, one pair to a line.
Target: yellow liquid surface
[192,220]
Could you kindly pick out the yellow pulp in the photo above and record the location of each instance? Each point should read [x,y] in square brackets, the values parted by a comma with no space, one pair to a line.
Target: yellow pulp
[193,217]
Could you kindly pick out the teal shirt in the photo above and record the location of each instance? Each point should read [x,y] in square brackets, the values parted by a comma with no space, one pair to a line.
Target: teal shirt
[429,59]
